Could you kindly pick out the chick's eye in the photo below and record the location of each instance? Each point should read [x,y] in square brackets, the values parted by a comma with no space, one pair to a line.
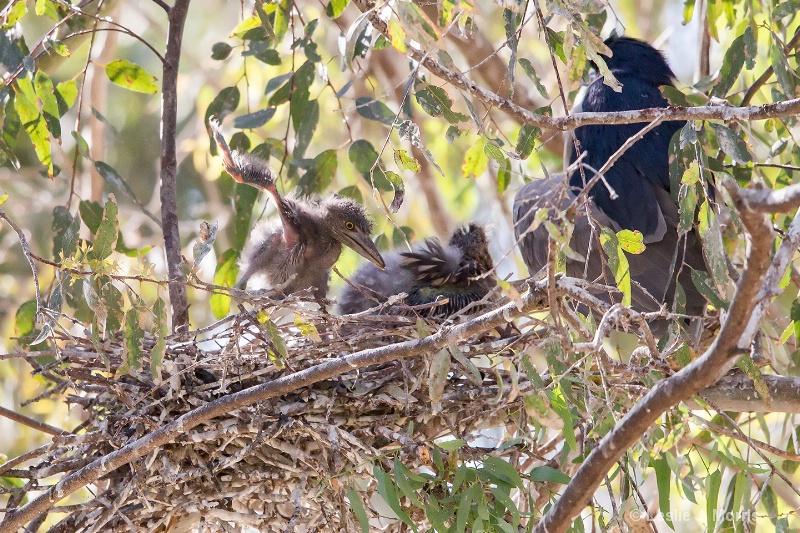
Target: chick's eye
[349,225]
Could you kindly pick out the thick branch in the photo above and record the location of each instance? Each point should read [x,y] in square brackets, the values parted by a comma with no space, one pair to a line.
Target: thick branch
[701,373]
[779,109]
[765,200]
[535,298]
[737,393]
[169,165]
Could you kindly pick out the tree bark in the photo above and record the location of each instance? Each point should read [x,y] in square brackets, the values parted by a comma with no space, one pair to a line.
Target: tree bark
[169,166]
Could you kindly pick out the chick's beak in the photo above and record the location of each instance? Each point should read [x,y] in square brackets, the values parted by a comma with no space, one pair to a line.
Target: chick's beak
[364,246]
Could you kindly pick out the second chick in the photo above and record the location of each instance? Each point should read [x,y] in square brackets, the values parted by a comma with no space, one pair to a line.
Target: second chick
[461,271]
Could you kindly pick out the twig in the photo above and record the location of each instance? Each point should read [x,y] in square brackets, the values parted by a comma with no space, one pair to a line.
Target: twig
[26,249]
[30,422]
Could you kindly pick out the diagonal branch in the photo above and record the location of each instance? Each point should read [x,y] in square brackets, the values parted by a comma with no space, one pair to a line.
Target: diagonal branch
[701,373]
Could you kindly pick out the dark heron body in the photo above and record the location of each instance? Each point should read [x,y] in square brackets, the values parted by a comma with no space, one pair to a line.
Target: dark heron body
[641,180]
[459,271]
[297,251]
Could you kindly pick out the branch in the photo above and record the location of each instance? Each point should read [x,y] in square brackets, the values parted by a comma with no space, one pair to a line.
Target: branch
[523,116]
[737,393]
[169,165]
[698,375]
[765,200]
[534,299]
[30,422]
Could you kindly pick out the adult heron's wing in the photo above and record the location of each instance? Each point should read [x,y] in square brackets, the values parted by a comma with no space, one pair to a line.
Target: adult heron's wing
[554,194]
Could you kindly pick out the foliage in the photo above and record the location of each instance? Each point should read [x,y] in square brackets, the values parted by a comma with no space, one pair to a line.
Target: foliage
[339,100]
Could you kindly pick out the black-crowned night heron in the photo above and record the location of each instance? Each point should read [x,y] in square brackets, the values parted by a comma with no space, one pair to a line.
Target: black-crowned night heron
[297,251]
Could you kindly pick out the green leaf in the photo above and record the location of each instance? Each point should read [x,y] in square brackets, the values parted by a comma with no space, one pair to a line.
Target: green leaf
[407,482]
[406,161]
[493,151]
[91,214]
[713,483]
[33,122]
[388,492]
[10,55]
[504,175]
[264,52]
[221,106]
[731,68]
[451,445]
[631,241]
[356,505]
[300,91]
[157,353]
[133,343]
[275,336]
[220,51]
[336,8]
[559,404]
[687,198]
[306,128]
[320,174]
[436,102]
[781,67]
[113,178]
[107,233]
[254,120]
[47,8]
[437,375]
[25,319]
[713,249]
[732,143]
[224,275]
[526,140]
[528,69]
[750,47]
[504,500]
[65,232]
[281,24]
[618,263]
[366,160]
[703,283]
[376,110]
[746,365]
[549,474]
[502,469]
[399,190]
[131,76]
[663,477]
[45,91]
[248,24]
[276,82]
[475,161]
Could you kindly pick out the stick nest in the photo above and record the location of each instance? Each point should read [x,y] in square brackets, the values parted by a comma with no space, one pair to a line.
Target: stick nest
[286,464]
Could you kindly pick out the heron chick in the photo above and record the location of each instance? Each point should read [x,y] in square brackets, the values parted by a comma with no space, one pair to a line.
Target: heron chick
[298,250]
[459,272]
